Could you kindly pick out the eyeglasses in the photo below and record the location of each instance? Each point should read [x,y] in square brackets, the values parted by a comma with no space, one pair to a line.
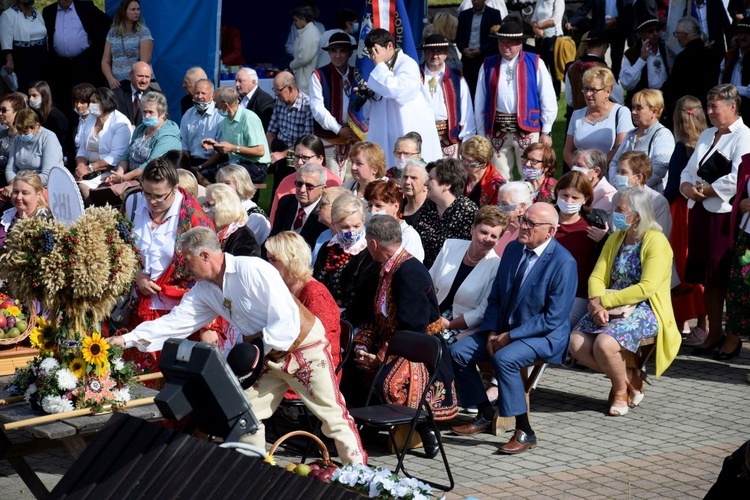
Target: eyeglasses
[279,91]
[507,208]
[304,158]
[158,198]
[676,33]
[469,164]
[590,90]
[307,185]
[4,110]
[401,154]
[524,222]
[533,161]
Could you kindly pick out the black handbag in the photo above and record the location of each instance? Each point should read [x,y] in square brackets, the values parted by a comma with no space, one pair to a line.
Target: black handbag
[716,166]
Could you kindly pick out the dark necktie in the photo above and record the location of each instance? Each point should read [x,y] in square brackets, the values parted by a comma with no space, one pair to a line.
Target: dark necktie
[136,103]
[299,219]
[527,254]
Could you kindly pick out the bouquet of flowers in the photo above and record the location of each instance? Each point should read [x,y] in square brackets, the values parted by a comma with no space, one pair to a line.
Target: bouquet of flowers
[377,482]
[745,263]
[86,372]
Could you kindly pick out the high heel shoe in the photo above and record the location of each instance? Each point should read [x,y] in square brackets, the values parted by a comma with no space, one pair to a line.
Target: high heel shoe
[725,356]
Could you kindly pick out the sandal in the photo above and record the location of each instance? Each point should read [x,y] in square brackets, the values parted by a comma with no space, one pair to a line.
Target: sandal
[618,411]
[635,398]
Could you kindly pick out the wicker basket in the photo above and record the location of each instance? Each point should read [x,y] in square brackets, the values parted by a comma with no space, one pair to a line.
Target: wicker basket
[32,324]
[324,462]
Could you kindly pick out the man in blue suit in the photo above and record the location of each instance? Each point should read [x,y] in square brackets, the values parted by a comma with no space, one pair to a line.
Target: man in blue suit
[526,321]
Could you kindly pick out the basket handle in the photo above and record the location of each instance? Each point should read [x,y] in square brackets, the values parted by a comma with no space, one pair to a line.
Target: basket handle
[321,445]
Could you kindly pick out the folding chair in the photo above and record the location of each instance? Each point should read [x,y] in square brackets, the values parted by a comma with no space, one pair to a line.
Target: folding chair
[347,346]
[418,348]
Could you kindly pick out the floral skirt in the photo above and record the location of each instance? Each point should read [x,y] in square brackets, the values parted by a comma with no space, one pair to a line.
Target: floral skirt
[628,332]
[738,296]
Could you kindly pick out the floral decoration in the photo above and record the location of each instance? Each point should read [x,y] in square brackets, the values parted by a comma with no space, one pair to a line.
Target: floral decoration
[377,482]
[745,263]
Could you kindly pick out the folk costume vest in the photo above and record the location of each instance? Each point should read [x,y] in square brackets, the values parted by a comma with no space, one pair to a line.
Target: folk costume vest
[528,107]
[451,84]
[332,86]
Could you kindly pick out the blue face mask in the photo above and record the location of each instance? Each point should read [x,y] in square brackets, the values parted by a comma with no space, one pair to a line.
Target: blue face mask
[349,238]
[151,121]
[620,221]
[27,137]
[622,182]
[531,174]
[355,28]
[222,113]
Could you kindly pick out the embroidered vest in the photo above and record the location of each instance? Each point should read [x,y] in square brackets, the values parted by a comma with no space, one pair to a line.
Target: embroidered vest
[451,84]
[528,105]
[332,86]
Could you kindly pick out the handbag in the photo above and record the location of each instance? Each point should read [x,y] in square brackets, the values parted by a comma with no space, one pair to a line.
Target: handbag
[620,311]
[119,317]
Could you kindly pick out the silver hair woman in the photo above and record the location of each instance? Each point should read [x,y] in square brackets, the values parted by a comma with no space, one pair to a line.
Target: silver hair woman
[237,178]
[630,301]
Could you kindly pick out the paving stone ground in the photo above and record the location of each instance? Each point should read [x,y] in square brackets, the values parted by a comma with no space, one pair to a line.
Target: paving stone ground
[672,446]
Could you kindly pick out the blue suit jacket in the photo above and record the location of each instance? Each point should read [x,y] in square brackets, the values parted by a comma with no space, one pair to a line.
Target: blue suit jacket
[539,314]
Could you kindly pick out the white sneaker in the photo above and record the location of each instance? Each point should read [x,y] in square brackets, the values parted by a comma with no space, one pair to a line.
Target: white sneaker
[696,337]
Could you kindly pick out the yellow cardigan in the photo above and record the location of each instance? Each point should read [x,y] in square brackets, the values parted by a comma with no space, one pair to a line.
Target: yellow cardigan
[656,263]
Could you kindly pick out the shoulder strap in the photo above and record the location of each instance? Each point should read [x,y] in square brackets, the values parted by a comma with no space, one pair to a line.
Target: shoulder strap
[135,204]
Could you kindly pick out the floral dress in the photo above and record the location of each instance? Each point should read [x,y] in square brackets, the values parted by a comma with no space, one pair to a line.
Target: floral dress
[434,229]
[642,323]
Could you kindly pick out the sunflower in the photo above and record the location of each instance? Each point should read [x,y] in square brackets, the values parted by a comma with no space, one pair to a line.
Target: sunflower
[95,350]
[78,367]
[43,336]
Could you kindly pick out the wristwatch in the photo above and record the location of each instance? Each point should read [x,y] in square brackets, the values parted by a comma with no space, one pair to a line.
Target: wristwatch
[237,151]
[91,167]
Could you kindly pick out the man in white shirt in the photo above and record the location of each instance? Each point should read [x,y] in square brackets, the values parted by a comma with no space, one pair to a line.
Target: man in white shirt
[644,66]
[250,294]
[252,96]
[515,103]
[330,88]
[200,122]
[450,97]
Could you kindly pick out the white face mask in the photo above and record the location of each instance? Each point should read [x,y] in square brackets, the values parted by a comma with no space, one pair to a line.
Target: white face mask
[94,109]
[35,103]
[401,163]
[568,208]
[583,170]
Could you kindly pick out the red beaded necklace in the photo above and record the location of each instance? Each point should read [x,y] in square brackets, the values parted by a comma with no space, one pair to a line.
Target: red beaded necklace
[336,259]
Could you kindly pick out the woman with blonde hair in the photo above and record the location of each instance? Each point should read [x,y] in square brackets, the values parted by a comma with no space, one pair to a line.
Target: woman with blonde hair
[687,300]
[446,24]
[237,178]
[27,196]
[223,207]
[128,41]
[602,124]
[324,217]
[290,255]
[648,136]
[368,164]
[482,179]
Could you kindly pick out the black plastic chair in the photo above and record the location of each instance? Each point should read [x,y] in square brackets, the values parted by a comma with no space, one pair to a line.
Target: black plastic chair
[347,346]
[418,348]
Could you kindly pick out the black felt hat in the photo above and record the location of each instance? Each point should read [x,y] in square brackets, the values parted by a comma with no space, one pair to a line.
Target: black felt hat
[340,40]
[435,41]
[651,22]
[510,30]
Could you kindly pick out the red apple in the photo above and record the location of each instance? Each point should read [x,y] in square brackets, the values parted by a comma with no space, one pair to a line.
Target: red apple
[3,321]
[6,304]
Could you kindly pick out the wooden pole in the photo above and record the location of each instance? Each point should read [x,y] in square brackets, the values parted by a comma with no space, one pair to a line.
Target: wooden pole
[149,376]
[11,400]
[70,414]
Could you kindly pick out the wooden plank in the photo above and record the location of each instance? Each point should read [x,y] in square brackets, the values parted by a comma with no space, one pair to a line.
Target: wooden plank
[24,470]
[75,445]
[31,447]
[54,430]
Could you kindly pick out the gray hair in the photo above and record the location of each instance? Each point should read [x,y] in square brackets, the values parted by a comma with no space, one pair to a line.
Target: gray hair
[227,95]
[157,99]
[384,229]
[251,73]
[591,158]
[413,137]
[690,26]
[418,165]
[728,93]
[313,168]
[196,72]
[639,202]
[206,80]
[518,191]
[199,239]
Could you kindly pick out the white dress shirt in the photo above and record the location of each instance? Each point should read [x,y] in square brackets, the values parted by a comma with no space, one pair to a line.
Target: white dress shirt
[253,298]
[436,100]
[655,64]
[319,111]
[533,258]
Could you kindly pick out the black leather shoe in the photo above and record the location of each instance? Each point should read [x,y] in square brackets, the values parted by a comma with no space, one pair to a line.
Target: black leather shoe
[725,356]
[429,440]
[705,351]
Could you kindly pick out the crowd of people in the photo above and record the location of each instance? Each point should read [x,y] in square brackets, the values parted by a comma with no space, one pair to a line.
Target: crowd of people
[448,217]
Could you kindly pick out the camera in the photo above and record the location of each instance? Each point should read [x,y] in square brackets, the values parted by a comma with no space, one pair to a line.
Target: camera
[361,96]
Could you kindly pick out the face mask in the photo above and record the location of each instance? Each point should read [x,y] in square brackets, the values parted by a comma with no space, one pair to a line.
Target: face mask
[401,163]
[222,113]
[531,174]
[622,182]
[35,103]
[619,220]
[94,109]
[27,138]
[568,208]
[355,28]
[28,3]
[583,170]
[349,238]
[201,106]
[82,115]
[151,121]
[378,212]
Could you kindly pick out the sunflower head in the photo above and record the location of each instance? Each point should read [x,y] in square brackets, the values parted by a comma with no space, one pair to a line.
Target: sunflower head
[78,367]
[95,350]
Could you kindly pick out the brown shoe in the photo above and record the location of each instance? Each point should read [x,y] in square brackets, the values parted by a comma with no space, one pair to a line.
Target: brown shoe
[476,426]
[519,443]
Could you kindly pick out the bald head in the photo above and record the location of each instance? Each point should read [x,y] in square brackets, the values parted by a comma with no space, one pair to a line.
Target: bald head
[538,225]
[285,87]
[140,75]
[191,78]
